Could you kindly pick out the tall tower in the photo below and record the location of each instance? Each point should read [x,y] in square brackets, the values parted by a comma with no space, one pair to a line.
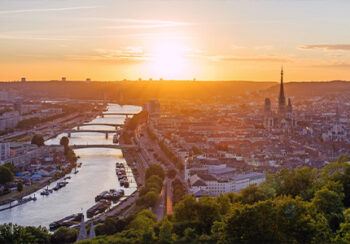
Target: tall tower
[281,98]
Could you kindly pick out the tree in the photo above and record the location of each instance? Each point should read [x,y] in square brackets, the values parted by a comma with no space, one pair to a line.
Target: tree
[143,221]
[19,186]
[281,220]
[65,142]
[330,204]
[10,233]
[10,167]
[251,194]
[151,199]
[5,175]
[38,140]
[343,235]
[155,169]
[64,235]
[165,231]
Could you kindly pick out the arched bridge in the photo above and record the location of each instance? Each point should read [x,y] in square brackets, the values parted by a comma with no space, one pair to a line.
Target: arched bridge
[102,124]
[123,114]
[106,132]
[112,146]
[123,146]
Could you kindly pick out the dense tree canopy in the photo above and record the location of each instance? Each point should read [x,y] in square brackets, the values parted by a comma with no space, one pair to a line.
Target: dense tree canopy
[38,140]
[5,175]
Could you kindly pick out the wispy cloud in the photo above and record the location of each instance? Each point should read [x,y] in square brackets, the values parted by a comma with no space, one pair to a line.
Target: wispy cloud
[124,55]
[32,37]
[336,64]
[252,59]
[34,10]
[328,47]
[120,23]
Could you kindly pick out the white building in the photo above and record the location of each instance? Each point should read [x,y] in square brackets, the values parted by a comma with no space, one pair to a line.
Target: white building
[5,152]
[9,120]
[213,186]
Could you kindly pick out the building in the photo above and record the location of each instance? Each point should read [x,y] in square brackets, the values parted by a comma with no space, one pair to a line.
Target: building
[284,118]
[337,132]
[153,108]
[207,183]
[4,96]
[9,120]
[5,152]
[64,79]
[23,79]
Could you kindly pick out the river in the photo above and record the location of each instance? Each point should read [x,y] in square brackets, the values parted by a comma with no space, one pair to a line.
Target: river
[97,174]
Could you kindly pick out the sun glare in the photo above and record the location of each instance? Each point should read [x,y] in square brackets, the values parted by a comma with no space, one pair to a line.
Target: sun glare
[169,60]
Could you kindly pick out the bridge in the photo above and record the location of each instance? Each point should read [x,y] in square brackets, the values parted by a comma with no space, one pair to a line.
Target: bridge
[112,146]
[117,146]
[123,114]
[102,124]
[106,132]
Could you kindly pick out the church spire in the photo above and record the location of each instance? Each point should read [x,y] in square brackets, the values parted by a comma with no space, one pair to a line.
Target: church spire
[281,98]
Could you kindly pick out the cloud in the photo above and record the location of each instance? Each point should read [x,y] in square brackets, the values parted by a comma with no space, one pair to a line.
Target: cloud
[23,11]
[124,55]
[328,47]
[137,23]
[333,65]
[31,37]
[251,59]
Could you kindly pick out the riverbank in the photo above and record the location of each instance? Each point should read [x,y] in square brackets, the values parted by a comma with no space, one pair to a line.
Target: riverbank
[28,190]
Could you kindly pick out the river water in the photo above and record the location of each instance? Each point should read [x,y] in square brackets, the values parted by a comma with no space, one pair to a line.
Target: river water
[97,174]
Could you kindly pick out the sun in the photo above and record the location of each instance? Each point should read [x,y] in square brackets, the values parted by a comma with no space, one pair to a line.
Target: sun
[169,61]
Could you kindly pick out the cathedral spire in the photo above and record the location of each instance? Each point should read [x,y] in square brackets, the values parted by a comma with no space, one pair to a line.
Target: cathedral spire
[281,98]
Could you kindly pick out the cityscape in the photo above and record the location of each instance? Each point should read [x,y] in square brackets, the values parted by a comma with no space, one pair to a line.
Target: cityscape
[237,135]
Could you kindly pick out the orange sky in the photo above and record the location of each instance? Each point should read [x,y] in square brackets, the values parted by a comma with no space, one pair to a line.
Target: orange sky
[206,39]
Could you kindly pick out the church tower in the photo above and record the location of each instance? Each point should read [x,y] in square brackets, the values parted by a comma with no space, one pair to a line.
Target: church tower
[281,98]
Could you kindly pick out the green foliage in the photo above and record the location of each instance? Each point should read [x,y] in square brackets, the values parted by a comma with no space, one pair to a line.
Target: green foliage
[10,234]
[28,123]
[112,225]
[296,182]
[19,186]
[136,120]
[64,141]
[64,235]
[284,220]
[330,204]
[171,155]
[38,140]
[70,155]
[9,166]
[154,183]
[144,221]
[165,231]
[5,175]
[155,169]
[179,191]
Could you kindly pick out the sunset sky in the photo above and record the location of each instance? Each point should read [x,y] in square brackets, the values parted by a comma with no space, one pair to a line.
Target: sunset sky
[175,39]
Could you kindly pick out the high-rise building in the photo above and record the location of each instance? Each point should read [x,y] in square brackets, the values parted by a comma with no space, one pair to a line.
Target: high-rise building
[23,79]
